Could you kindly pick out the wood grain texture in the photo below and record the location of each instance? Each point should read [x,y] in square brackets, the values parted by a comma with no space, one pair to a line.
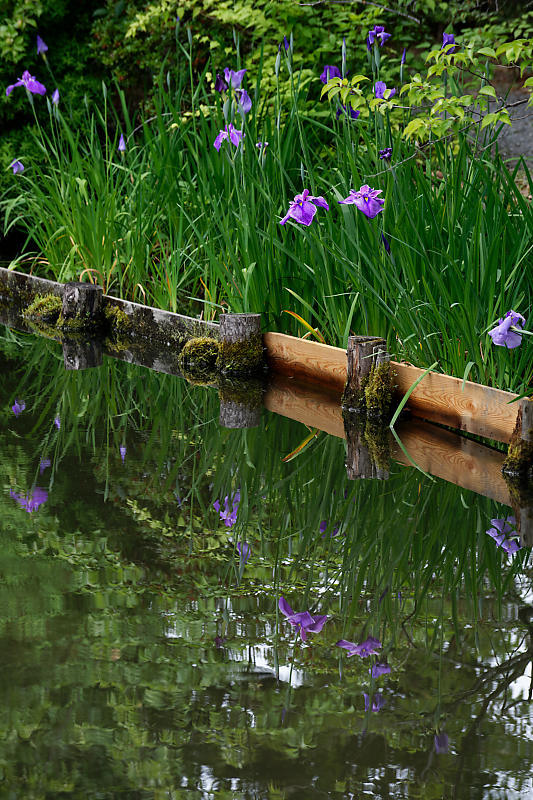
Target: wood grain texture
[439,452]
[302,358]
[438,398]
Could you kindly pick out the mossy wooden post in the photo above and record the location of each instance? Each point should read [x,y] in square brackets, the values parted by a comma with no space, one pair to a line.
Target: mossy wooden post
[362,399]
[361,354]
[519,461]
[241,344]
[81,355]
[82,305]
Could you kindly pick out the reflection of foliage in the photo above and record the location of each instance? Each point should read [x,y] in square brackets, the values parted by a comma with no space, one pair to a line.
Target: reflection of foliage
[114,592]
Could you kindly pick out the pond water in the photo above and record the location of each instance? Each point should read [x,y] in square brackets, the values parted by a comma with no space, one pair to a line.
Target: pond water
[144,654]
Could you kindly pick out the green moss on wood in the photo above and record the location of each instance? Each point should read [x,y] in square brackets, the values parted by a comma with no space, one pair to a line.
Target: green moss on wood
[378,391]
[376,438]
[45,308]
[198,359]
[117,319]
[246,392]
[241,358]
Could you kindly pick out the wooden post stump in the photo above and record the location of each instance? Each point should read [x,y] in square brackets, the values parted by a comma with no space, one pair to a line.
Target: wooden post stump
[81,355]
[82,303]
[241,344]
[362,353]
[519,461]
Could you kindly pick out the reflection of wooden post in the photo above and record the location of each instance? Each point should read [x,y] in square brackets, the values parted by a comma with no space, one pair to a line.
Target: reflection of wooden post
[82,301]
[362,353]
[524,524]
[238,415]
[241,344]
[81,355]
[359,461]
[240,402]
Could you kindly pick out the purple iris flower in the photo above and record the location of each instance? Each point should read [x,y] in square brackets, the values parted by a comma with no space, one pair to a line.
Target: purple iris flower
[402,61]
[55,97]
[18,407]
[386,153]
[262,145]
[348,111]
[378,701]
[229,132]
[245,104]
[367,648]
[366,200]
[44,464]
[502,334]
[330,72]
[380,88]
[57,422]
[121,144]
[220,83]
[122,451]
[324,525]
[303,620]
[286,43]
[42,47]
[32,500]
[379,669]
[378,32]
[17,166]
[229,512]
[245,551]
[448,38]
[234,77]
[386,243]
[303,208]
[441,743]
[29,82]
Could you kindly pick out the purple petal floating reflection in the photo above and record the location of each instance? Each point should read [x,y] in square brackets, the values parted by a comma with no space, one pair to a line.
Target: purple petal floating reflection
[31,501]
[18,407]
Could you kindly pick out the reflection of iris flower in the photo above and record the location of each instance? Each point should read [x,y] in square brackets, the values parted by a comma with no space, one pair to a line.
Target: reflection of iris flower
[229,512]
[18,407]
[32,500]
[379,669]
[500,531]
[378,701]
[367,648]
[245,551]
[303,620]
[441,743]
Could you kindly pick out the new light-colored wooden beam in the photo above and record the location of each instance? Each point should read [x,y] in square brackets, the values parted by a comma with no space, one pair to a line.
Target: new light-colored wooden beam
[438,398]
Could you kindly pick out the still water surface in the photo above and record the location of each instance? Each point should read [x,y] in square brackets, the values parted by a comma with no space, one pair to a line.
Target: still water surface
[143,651]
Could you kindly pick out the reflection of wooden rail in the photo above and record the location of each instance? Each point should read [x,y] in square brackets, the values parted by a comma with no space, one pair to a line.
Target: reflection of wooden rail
[437,451]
